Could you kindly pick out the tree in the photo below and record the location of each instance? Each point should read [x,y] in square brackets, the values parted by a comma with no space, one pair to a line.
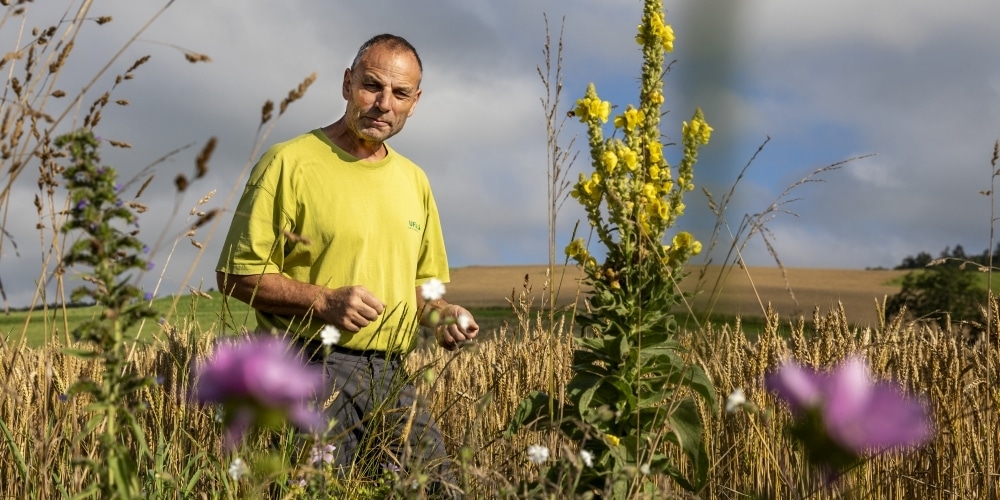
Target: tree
[937,293]
[918,262]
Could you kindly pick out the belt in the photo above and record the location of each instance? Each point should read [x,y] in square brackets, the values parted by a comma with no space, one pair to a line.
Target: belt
[315,351]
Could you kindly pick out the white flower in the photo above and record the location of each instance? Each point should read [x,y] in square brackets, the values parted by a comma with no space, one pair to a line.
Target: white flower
[644,469]
[320,453]
[330,335]
[538,454]
[463,321]
[735,400]
[587,457]
[432,289]
[238,469]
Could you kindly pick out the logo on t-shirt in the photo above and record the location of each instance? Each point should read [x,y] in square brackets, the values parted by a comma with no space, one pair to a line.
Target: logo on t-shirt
[415,226]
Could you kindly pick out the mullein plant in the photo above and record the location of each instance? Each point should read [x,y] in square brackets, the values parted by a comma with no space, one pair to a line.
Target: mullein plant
[632,394]
[110,256]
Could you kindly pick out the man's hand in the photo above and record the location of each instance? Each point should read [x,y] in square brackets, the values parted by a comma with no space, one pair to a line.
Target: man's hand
[456,326]
[351,308]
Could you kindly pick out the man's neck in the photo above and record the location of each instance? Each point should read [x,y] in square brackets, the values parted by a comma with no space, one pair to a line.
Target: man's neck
[339,134]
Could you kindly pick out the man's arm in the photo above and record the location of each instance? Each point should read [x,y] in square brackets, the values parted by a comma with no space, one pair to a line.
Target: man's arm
[454,324]
[348,308]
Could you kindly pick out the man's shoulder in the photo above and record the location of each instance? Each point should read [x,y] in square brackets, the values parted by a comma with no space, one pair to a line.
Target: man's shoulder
[301,142]
[283,158]
[403,162]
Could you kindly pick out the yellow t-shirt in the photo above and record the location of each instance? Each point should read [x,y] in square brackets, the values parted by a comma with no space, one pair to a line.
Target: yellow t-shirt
[316,214]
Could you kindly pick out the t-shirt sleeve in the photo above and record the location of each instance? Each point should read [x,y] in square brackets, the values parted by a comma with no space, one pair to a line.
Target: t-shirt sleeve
[255,242]
[433,260]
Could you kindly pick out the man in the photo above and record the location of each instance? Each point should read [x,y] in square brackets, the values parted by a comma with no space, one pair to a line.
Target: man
[337,228]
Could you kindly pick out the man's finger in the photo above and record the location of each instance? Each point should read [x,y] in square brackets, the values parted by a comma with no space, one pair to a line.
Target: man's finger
[373,302]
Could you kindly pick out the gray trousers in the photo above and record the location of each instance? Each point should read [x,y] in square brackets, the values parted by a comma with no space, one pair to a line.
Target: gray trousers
[379,423]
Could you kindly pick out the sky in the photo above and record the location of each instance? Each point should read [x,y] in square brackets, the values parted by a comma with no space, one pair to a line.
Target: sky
[900,95]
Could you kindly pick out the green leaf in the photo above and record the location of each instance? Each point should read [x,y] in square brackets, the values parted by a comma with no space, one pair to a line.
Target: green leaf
[588,357]
[22,468]
[529,410]
[581,389]
[686,428]
[695,378]
[80,353]
[594,344]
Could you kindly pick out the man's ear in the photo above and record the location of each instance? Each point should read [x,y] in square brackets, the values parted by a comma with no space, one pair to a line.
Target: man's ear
[416,100]
[346,90]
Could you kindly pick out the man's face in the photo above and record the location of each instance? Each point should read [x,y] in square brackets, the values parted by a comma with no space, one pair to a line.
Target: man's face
[382,91]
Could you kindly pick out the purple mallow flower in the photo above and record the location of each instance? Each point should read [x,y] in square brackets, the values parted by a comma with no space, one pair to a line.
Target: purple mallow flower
[847,409]
[259,381]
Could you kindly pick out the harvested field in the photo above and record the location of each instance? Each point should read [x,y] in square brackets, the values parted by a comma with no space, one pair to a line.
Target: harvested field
[804,290]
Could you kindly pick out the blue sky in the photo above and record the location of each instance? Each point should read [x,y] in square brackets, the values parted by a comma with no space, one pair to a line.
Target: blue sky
[913,82]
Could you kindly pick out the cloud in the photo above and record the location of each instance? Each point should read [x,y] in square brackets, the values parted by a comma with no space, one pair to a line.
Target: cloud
[915,83]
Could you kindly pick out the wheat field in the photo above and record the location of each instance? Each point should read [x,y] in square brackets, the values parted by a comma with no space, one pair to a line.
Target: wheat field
[476,390]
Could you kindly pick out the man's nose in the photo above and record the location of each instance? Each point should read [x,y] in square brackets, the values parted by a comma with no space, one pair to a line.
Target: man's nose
[384,100]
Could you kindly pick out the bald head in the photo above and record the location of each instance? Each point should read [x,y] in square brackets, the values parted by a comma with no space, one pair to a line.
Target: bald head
[391,43]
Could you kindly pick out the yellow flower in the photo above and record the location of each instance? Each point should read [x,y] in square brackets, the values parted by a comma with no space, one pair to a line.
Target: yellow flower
[697,130]
[658,31]
[588,108]
[683,240]
[629,119]
[649,191]
[696,248]
[610,160]
[662,210]
[630,158]
[666,36]
[592,187]
[654,172]
[612,439]
[655,149]
[656,97]
[576,249]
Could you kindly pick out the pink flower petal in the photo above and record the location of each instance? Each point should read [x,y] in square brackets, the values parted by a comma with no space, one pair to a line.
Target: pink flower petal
[800,387]
[848,393]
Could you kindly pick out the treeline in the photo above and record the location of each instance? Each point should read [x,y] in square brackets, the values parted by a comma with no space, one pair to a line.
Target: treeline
[954,256]
[948,292]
